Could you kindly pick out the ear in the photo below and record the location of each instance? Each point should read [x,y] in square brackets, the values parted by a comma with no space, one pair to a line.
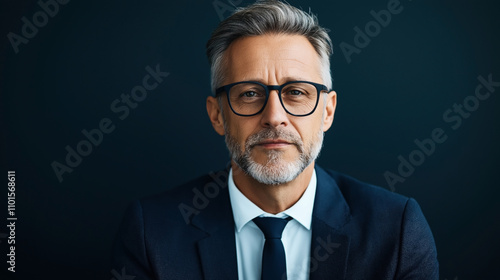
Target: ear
[215,115]
[331,105]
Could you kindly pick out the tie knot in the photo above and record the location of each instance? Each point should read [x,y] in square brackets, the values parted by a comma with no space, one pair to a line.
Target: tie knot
[271,227]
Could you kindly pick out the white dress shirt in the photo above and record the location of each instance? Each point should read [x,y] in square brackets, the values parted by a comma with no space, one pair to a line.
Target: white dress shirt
[250,240]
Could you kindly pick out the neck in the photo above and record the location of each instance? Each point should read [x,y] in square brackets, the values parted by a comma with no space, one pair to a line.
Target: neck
[272,198]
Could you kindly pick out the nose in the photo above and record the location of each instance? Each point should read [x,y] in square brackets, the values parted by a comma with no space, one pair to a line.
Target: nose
[274,114]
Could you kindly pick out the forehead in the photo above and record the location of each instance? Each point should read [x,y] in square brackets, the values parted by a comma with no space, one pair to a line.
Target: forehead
[272,58]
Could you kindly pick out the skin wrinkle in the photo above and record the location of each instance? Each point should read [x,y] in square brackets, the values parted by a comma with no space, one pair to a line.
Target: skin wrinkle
[282,80]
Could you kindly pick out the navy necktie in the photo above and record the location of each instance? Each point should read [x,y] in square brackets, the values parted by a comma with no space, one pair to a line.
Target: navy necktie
[273,256]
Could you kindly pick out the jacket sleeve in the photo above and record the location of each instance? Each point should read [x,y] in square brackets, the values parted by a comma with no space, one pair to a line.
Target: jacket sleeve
[418,255]
[129,258]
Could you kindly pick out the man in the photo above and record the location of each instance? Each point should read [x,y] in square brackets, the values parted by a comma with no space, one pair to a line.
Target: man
[274,214]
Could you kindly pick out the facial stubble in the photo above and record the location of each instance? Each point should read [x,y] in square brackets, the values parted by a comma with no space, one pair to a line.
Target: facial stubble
[276,169]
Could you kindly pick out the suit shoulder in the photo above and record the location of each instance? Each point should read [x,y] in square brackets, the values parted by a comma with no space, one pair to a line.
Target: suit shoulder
[187,193]
[362,195]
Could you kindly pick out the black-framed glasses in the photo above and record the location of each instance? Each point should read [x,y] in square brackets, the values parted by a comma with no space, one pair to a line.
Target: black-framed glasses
[249,98]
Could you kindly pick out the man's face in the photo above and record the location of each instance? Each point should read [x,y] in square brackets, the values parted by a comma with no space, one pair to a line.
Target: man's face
[273,146]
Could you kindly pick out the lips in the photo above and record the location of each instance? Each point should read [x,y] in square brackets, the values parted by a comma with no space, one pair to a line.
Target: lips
[273,143]
[270,138]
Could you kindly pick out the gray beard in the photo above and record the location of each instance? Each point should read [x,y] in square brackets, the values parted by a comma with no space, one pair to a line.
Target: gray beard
[275,170]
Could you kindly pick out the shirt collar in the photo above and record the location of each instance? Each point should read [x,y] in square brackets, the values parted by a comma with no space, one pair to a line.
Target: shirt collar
[245,210]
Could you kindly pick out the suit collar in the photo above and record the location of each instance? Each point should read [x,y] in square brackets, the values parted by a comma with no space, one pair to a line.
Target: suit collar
[329,204]
[329,244]
[245,210]
[217,256]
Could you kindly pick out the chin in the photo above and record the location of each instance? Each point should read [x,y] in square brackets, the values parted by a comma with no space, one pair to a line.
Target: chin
[275,170]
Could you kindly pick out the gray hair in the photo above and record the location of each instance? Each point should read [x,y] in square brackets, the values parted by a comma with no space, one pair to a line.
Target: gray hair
[266,17]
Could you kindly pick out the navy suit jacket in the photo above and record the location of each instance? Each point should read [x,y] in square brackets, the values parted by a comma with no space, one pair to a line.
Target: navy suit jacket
[359,231]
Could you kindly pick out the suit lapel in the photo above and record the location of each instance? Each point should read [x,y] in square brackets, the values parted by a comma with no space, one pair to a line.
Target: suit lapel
[329,245]
[217,250]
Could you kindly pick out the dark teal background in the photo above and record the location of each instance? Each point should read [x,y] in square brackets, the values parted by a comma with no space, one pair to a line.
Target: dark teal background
[393,92]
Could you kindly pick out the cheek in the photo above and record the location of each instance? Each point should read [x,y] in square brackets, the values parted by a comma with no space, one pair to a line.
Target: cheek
[240,130]
[308,128]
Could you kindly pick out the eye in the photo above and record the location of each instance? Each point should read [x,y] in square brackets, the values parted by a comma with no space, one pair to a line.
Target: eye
[249,94]
[295,92]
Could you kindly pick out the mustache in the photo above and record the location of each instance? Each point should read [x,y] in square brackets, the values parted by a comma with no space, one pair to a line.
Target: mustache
[274,134]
